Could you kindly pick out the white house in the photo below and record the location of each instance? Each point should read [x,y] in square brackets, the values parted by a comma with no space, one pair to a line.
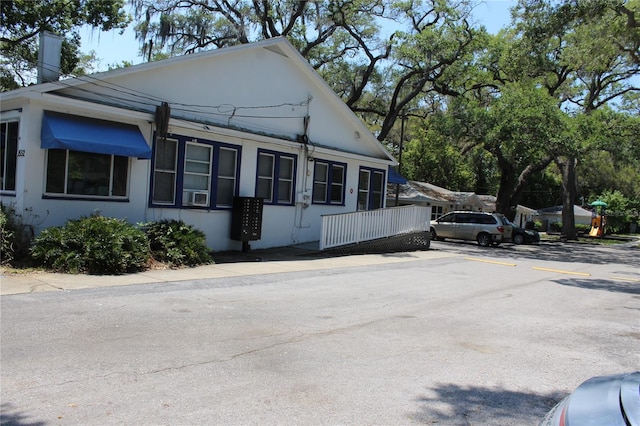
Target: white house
[442,200]
[553,214]
[180,138]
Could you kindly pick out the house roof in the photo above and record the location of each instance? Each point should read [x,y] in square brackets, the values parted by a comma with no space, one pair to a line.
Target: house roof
[439,194]
[226,88]
[407,192]
[556,210]
[489,201]
[414,191]
[430,191]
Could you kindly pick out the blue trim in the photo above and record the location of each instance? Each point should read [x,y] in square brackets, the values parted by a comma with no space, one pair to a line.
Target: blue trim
[396,177]
[330,184]
[276,173]
[214,177]
[84,198]
[213,192]
[64,131]
[372,173]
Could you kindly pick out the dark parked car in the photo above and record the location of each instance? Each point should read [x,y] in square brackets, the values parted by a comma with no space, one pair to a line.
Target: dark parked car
[600,401]
[522,236]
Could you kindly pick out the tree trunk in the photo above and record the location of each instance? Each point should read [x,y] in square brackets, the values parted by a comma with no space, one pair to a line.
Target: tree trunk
[504,198]
[569,193]
[511,187]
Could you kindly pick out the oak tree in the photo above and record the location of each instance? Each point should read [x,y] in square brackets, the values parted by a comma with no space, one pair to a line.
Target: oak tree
[24,20]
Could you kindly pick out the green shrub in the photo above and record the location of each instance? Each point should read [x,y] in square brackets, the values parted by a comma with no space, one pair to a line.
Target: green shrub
[15,235]
[534,225]
[582,229]
[176,243]
[556,226]
[6,239]
[95,245]
[618,211]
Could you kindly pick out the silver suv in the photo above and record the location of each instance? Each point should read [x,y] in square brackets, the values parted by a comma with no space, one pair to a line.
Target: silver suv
[485,228]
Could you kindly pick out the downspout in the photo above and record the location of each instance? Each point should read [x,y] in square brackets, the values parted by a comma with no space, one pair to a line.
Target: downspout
[305,201]
[147,200]
[160,125]
[402,120]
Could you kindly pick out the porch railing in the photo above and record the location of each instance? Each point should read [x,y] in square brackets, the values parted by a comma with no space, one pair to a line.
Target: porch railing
[350,228]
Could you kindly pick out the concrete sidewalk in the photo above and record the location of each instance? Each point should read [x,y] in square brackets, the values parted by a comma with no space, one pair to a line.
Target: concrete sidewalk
[273,261]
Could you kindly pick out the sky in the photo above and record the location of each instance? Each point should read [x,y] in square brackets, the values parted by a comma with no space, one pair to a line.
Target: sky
[112,48]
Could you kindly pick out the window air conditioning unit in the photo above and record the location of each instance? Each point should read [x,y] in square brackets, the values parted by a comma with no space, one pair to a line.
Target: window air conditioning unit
[201,199]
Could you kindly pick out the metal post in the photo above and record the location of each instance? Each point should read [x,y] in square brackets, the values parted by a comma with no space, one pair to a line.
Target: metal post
[402,119]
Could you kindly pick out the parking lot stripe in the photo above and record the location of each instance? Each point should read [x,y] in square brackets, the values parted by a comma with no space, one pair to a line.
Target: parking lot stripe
[633,280]
[560,271]
[489,261]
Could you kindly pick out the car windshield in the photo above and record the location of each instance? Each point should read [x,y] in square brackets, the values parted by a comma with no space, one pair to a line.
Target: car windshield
[507,221]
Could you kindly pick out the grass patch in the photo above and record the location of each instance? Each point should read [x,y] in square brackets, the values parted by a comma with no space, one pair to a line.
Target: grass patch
[608,240]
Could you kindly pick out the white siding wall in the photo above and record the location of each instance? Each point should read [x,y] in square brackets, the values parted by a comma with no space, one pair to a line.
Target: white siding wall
[282,225]
[238,79]
[30,184]
[233,78]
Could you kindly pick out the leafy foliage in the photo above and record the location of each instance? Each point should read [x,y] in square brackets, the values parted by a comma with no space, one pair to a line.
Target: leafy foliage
[100,245]
[6,239]
[95,245]
[427,46]
[177,243]
[430,156]
[17,233]
[618,212]
[582,229]
[23,20]
[585,53]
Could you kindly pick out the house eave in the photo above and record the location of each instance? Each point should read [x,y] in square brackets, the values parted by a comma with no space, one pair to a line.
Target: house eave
[278,45]
[75,106]
[240,133]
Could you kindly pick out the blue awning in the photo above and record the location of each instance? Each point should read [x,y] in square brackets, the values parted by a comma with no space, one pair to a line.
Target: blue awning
[64,131]
[395,177]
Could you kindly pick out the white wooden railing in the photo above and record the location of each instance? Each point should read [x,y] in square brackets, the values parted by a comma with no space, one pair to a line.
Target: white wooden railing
[356,227]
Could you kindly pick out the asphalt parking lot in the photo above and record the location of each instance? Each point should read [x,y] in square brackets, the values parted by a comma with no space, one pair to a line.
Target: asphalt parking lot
[457,335]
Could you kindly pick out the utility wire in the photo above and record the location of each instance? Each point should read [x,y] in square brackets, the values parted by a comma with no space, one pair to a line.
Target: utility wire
[139,94]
